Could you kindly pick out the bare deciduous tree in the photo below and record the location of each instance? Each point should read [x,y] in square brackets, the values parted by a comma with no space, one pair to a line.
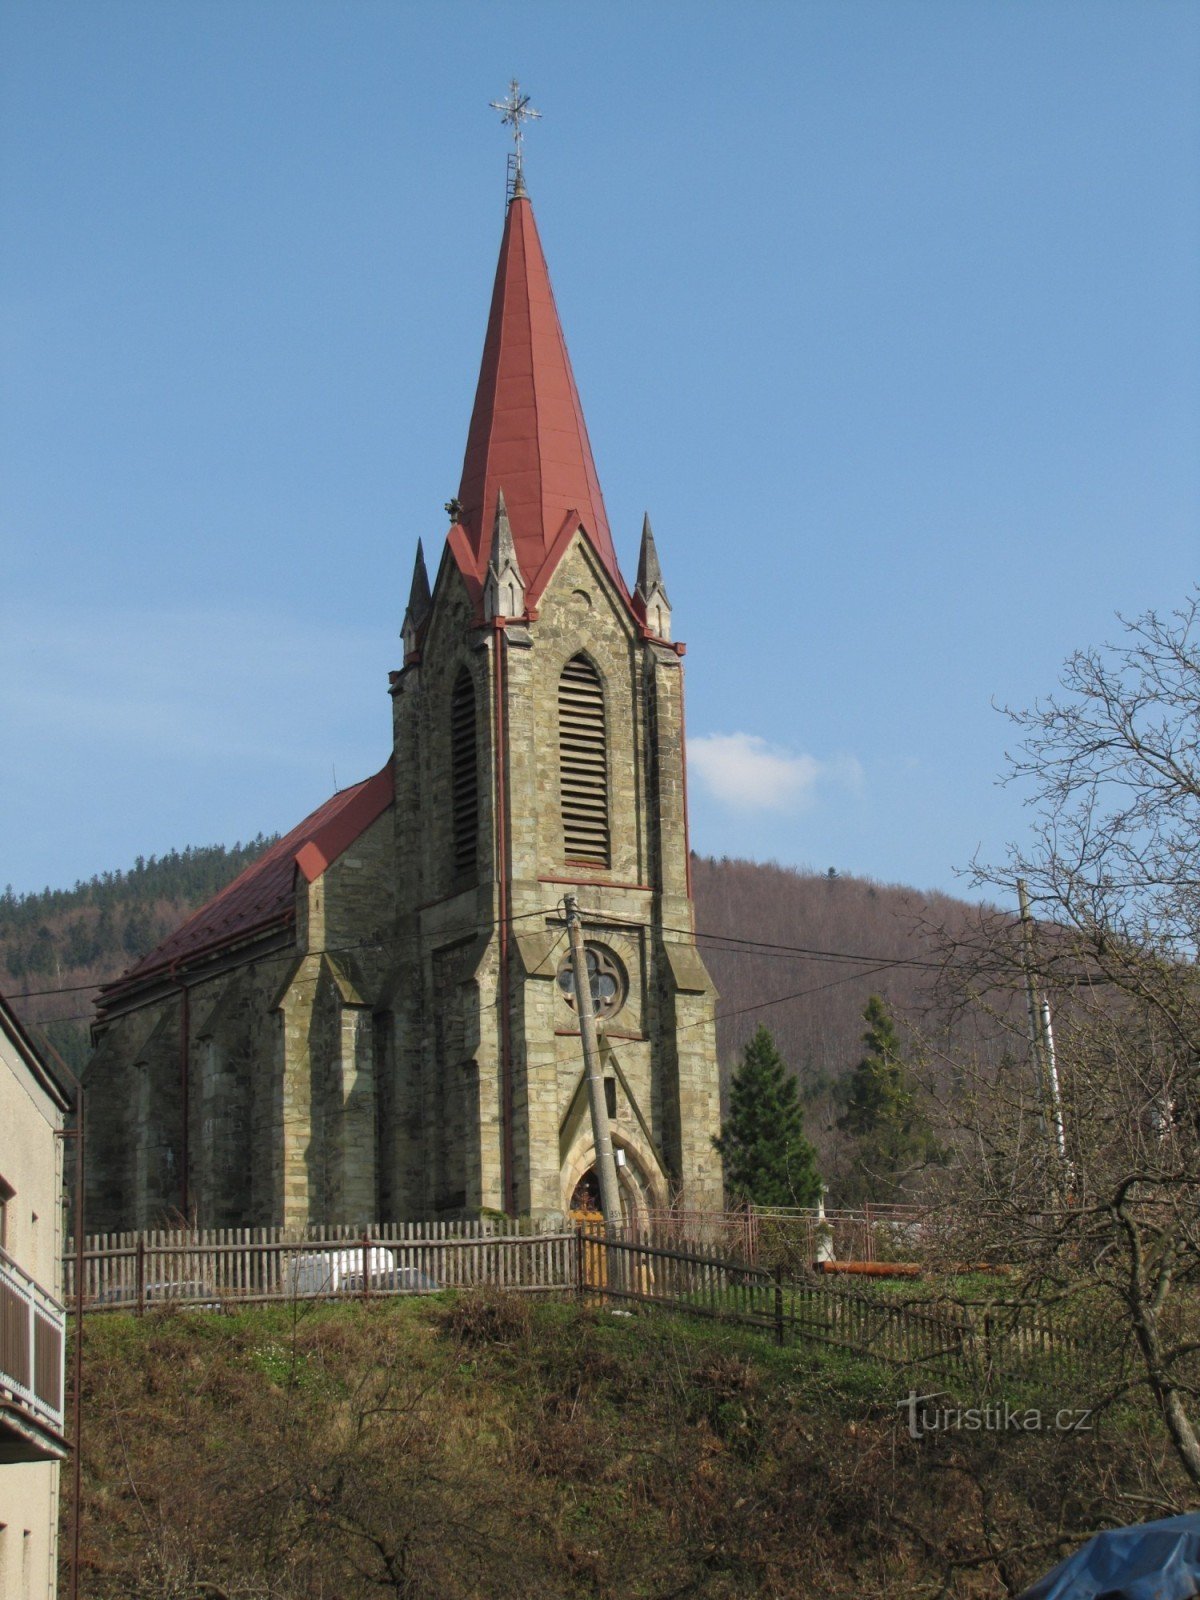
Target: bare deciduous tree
[1112,763]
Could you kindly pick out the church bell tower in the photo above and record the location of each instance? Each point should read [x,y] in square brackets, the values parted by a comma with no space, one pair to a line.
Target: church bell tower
[539,751]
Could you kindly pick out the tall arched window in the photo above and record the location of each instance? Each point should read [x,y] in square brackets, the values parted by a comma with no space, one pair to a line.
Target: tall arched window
[464,774]
[583,763]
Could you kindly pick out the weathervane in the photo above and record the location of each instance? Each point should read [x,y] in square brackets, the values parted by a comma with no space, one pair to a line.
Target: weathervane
[513,112]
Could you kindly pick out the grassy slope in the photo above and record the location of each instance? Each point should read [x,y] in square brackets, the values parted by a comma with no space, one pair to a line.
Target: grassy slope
[484,1448]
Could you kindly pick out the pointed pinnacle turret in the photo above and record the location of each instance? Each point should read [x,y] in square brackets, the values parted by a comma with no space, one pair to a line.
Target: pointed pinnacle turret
[419,601]
[504,587]
[649,572]
[649,592]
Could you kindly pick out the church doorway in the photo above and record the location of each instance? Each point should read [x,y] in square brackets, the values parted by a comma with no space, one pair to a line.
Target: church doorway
[640,1182]
[585,1208]
[585,1198]
[600,1261]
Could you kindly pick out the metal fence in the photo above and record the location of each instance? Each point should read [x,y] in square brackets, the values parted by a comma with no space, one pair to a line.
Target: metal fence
[795,1237]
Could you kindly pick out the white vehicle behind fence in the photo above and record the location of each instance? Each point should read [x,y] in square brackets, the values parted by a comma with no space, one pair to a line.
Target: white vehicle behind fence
[340,1271]
[327,1271]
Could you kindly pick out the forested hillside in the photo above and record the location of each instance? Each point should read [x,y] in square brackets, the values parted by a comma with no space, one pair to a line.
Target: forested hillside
[798,952]
[56,946]
[860,938]
[802,953]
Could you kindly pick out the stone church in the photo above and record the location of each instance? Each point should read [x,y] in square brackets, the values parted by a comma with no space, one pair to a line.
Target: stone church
[375,1021]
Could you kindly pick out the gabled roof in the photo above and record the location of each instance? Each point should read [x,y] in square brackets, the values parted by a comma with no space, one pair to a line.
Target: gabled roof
[527,433]
[262,896]
[48,1077]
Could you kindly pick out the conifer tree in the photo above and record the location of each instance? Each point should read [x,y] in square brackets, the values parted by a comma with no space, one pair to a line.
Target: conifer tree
[767,1158]
[891,1133]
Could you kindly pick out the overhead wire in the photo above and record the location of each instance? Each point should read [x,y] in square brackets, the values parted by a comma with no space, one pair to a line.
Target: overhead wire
[327,950]
[872,964]
[766,947]
[725,943]
[798,994]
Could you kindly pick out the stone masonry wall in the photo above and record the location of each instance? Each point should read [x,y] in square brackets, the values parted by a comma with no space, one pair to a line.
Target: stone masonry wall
[134,1100]
[357,1074]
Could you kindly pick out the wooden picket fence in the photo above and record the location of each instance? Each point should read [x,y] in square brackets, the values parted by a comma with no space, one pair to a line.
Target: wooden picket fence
[630,1264]
[219,1266]
[982,1342]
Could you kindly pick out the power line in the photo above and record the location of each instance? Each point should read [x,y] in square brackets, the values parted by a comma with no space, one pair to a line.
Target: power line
[765,947]
[70,988]
[75,1016]
[722,1016]
[327,950]
[798,994]
[722,943]
[762,947]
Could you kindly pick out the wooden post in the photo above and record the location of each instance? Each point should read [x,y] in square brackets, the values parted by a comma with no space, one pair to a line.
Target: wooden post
[366,1258]
[140,1270]
[777,1274]
[987,1345]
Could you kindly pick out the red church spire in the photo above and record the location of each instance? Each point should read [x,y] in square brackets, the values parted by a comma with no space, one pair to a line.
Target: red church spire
[527,436]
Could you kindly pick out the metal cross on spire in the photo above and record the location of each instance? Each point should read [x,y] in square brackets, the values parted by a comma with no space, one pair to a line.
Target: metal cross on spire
[515,111]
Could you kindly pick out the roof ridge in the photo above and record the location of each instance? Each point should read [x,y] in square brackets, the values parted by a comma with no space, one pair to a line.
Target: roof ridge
[262,894]
[528,310]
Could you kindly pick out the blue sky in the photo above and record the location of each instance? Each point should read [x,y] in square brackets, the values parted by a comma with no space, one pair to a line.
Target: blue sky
[887,313]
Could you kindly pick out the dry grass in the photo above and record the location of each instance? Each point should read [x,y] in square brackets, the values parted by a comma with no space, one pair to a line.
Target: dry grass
[493,1447]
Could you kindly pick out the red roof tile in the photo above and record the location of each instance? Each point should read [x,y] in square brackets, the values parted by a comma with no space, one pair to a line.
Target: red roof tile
[527,433]
[264,893]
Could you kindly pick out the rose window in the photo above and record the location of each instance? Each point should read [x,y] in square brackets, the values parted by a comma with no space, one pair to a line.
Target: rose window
[606,979]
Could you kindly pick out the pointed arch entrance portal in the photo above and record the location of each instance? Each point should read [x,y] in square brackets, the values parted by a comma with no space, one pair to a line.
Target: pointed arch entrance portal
[638,1179]
[585,1201]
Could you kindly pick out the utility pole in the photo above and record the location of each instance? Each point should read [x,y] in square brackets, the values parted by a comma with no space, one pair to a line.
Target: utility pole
[1060,1137]
[606,1166]
[1041,1037]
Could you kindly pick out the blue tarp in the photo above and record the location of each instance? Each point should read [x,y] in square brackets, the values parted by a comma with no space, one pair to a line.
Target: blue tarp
[1153,1561]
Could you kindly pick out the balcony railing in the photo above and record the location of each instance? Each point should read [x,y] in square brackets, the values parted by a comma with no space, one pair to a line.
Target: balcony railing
[32,1349]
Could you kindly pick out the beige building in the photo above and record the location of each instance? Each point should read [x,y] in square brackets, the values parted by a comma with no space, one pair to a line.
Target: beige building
[376,1021]
[32,1320]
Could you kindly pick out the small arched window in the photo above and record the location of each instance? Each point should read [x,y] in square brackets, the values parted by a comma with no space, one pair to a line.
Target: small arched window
[464,774]
[583,763]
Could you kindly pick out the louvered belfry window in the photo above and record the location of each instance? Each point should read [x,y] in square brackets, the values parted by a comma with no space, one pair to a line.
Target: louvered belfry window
[583,763]
[464,774]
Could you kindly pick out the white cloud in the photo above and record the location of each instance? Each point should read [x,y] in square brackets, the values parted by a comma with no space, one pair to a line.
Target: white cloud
[746,773]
